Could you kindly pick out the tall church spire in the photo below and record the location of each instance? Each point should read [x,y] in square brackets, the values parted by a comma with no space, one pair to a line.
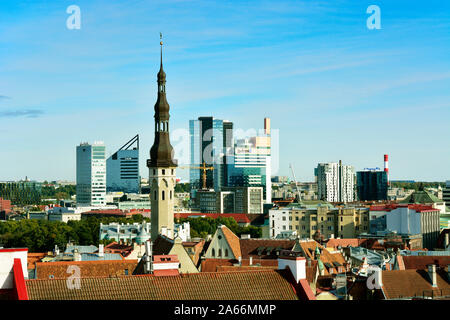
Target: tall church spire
[162,166]
[161,153]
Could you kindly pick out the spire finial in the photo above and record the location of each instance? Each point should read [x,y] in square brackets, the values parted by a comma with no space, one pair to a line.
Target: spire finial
[161,43]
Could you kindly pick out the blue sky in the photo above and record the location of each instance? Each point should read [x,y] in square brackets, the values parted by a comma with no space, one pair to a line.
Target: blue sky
[335,89]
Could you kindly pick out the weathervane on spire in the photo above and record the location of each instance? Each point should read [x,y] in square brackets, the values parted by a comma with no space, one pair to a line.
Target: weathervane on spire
[160,37]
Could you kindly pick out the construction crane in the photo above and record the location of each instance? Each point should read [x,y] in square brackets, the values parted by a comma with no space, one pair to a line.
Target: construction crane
[203,168]
[295,180]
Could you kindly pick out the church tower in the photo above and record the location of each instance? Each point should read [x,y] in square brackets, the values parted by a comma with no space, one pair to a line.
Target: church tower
[162,166]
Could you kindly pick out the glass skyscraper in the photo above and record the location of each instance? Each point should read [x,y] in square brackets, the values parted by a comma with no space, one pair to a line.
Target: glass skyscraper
[91,175]
[208,145]
[122,168]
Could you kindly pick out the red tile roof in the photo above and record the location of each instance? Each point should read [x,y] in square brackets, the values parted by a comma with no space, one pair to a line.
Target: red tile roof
[249,247]
[213,265]
[393,206]
[413,283]
[421,262]
[244,285]
[334,243]
[58,270]
[233,241]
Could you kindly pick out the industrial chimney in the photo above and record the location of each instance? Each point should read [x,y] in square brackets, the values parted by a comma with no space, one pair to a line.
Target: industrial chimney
[386,166]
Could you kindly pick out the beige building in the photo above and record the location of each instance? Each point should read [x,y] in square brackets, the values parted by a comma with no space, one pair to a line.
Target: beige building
[347,222]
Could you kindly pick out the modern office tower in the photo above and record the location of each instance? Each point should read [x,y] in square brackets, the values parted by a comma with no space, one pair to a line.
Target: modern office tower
[250,165]
[161,165]
[372,185]
[335,182]
[446,193]
[91,175]
[208,146]
[122,168]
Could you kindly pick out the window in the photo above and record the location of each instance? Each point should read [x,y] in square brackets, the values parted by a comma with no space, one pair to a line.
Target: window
[154,172]
[163,171]
[303,228]
[226,252]
[155,194]
[162,195]
[321,219]
[284,218]
[342,228]
[219,254]
[303,218]
[213,252]
[126,272]
[296,218]
[170,194]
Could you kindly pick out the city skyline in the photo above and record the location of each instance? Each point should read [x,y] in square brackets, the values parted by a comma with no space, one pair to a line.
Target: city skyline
[334,89]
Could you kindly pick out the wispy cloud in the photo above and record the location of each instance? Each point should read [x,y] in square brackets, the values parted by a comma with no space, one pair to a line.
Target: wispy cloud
[26,113]
[4,97]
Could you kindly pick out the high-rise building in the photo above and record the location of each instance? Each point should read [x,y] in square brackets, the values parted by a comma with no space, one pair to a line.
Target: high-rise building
[122,168]
[335,182]
[91,175]
[162,178]
[250,164]
[372,185]
[210,139]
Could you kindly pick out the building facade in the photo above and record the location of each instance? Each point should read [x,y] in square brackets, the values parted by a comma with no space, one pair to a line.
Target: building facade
[210,139]
[372,185]
[91,175]
[122,168]
[21,192]
[407,219]
[446,192]
[330,222]
[250,163]
[335,182]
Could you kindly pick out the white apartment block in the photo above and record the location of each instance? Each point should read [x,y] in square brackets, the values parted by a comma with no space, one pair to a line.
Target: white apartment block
[279,222]
[91,175]
[335,182]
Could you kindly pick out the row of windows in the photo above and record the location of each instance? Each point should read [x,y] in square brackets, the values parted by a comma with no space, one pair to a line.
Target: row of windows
[219,253]
[163,195]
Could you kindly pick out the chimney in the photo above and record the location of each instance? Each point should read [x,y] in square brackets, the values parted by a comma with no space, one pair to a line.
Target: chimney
[296,264]
[432,274]
[148,257]
[251,261]
[76,255]
[101,250]
[386,166]
[446,241]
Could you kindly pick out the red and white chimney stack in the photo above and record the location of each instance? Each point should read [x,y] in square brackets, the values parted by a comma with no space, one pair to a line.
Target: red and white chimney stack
[386,166]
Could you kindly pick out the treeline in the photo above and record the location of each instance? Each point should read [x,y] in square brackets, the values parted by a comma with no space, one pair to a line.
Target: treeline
[417,186]
[43,235]
[60,193]
[183,187]
[201,227]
